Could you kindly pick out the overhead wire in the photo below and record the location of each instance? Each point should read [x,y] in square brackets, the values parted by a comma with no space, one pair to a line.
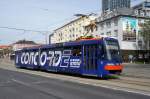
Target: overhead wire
[21,29]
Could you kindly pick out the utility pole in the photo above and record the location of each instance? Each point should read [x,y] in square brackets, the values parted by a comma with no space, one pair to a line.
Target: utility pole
[46,35]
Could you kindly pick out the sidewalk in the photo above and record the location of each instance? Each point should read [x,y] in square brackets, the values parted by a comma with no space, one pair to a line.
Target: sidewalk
[136,70]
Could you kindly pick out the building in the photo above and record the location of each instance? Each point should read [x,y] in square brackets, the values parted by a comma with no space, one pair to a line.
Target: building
[143,9]
[124,24]
[118,20]
[4,47]
[4,50]
[110,5]
[72,30]
[23,44]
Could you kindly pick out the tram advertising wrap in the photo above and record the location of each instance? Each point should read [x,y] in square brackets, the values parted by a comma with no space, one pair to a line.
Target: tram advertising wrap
[99,57]
[48,59]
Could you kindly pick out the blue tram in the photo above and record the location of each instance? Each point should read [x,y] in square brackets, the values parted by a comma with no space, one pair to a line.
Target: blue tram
[94,57]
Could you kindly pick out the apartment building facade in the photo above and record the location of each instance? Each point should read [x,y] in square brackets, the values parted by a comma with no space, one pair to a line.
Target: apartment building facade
[72,30]
[124,25]
[110,5]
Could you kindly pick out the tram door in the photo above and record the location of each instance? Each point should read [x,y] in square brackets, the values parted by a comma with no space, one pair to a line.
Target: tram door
[90,58]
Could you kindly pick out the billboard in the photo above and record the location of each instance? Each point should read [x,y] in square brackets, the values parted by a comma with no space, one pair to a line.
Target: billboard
[130,27]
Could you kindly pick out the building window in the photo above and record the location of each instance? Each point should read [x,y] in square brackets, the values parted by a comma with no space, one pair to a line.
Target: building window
[102,26]
[116,33]
[115,22]
[76,51]
[109,33]
[73,29]
[108,24]
[79,31]
[76,29]
[76,35]
[70,30]
[102,33]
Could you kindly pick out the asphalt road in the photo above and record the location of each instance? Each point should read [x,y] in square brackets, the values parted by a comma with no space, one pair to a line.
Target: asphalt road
[16,85]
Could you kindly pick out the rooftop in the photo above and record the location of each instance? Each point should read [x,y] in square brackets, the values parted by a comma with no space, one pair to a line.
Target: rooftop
[4,46]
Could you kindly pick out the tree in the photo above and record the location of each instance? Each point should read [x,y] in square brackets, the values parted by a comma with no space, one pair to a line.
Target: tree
[91,27]
[145,34]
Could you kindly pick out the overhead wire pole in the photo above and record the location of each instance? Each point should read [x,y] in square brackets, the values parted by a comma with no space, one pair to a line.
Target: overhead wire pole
[46,35]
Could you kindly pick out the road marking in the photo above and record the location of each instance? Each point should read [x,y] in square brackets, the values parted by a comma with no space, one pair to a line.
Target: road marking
[20,82]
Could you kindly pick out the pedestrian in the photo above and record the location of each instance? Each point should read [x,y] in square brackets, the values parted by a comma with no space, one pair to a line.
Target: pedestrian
[130,57]
[146,58]
[134,59]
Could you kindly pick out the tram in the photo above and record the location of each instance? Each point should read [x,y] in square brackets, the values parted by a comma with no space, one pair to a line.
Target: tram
[94,57]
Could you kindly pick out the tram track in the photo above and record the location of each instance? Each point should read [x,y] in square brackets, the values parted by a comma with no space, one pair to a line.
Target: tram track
[133,81]
[134,76]
[129,84]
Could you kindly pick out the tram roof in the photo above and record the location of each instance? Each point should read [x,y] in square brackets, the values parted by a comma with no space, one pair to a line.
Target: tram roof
[68,44]
[72,43]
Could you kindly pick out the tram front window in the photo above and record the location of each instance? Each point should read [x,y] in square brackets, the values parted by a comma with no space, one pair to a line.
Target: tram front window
[112,49]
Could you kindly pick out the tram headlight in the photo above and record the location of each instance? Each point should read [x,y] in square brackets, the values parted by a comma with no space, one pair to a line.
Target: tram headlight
[110,64]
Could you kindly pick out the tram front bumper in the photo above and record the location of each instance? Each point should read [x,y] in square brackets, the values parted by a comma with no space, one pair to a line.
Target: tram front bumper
[113,67]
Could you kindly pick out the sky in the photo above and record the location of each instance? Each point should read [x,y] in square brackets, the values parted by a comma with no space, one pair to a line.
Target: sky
[40,15]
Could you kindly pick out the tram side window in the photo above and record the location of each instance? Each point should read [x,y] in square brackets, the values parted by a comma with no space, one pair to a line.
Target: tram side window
[76,51]
[101,52]
[67,51]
